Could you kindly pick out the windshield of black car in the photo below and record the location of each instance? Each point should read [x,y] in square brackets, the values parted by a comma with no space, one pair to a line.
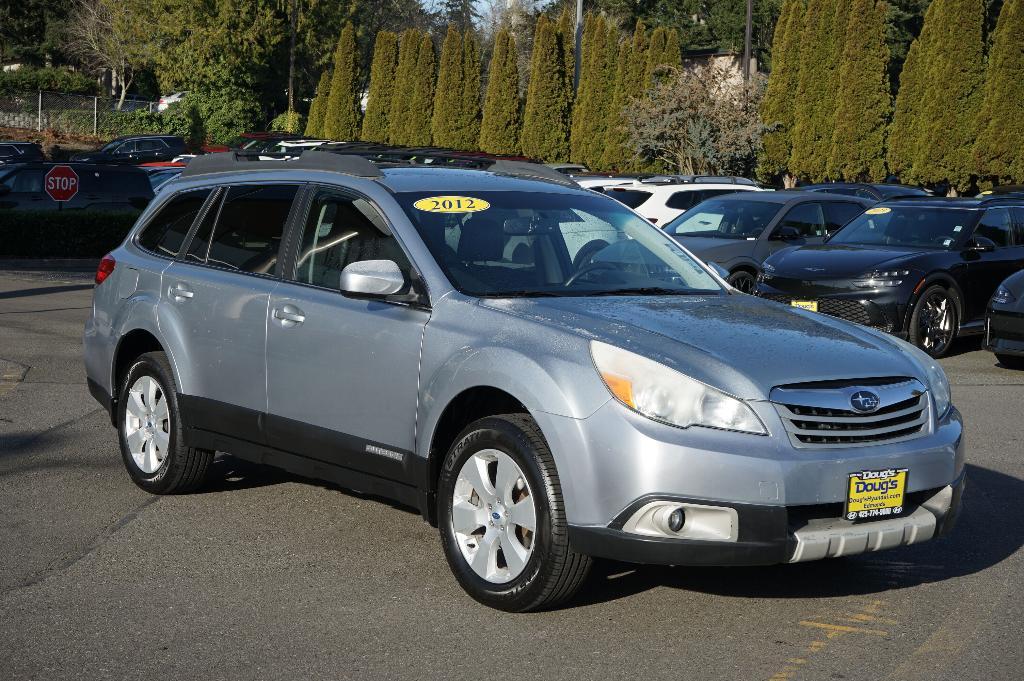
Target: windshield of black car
[907,226]
[500,244]
[725,219]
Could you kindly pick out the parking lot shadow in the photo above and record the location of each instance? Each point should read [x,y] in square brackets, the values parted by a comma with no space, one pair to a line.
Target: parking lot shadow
[43,290]
[989,530]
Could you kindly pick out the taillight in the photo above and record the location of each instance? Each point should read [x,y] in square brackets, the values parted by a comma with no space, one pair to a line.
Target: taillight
[106,267]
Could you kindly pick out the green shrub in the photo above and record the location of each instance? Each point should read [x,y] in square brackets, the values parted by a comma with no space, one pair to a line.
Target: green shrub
[61,234]
[27,79]
[225,113]
[289,121]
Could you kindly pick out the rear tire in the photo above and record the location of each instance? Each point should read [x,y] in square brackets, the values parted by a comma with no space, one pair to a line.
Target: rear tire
[150,430]
[934,322]
[743,281]
[530,569]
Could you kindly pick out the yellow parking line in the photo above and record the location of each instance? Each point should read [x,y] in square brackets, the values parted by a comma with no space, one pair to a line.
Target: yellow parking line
[844,629]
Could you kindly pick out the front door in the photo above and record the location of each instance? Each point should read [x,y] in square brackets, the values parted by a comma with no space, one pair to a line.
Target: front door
[985,271]
[342,372]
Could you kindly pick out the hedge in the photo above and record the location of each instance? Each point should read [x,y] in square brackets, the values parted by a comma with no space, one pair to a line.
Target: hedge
[62,234]
[28,79]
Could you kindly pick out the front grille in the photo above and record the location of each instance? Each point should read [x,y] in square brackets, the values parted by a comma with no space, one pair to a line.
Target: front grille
[817,417]
[850,310]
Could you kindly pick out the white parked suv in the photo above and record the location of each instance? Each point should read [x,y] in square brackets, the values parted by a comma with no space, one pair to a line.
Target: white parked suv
[663,198]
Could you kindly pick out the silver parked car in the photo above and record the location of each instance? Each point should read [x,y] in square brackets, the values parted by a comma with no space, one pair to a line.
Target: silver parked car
[541,372]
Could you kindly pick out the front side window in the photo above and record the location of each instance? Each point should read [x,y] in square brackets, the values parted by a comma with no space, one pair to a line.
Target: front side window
[907,226]
[552,244]
[246,233]
[126,148]
[341,230]
[725,219]
[167,230]
[839,213]
[806,218]
[996,225]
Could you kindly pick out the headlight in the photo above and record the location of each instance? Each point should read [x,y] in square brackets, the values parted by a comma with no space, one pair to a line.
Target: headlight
[939,386]
[1003,296]
[663,394]
[881,279]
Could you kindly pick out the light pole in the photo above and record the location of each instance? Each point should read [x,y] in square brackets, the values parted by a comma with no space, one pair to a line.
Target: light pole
[747,39]
[579,46]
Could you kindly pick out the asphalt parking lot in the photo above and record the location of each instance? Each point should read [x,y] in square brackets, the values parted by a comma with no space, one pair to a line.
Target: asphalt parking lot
[264,575]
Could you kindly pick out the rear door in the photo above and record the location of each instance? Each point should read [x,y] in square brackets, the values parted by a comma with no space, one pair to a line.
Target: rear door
[342,372]
[217,299]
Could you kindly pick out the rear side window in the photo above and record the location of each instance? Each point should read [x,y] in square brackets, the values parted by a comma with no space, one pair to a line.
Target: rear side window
[629,197]
[806,218]
[248,229]
[27,181]
[127,183]
[995,225]
[167,230]
[839,213]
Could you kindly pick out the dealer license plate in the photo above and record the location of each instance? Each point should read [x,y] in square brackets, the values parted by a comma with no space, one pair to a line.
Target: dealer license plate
[875,495]
[811,305]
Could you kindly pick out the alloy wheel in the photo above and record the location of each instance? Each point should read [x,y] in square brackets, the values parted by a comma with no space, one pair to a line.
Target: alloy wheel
[936,323]
[743,282]
[147,424]
[494,516]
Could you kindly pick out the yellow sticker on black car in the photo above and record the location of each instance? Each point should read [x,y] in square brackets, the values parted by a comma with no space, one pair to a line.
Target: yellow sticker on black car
[451,204]
[881,210]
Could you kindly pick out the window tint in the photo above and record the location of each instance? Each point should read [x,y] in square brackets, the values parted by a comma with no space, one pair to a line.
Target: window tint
[127,182]
[995,225]
[839,213]
[249,227]
[1018,226]
[7,150]
[126,148]
[629,197]
[148,145]
[806,218]
[865,194]
[25,181]
[725,219]
[169,227]
[339,231]
[683,200]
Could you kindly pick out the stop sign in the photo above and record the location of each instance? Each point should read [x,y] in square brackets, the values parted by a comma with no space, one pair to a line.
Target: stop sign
[61,183]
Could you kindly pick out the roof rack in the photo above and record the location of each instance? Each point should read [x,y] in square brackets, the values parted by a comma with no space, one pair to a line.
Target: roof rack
[311,159]
[533,171]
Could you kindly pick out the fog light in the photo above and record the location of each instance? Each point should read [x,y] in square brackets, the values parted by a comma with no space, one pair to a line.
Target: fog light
[676,520]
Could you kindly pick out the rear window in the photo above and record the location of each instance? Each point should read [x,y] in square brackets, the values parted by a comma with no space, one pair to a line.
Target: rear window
[629,197]
[167,230]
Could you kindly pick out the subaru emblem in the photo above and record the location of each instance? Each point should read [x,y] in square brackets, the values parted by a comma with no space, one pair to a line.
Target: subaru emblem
[496,515]
[864,400]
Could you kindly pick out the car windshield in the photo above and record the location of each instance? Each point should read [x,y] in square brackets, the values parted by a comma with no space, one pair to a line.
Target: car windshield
[725,219]
[907,226]
[511,243]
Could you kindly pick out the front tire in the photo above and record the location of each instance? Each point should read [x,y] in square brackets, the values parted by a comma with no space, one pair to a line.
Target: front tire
[934,322]
[502,518]
[743,281]
[150,430]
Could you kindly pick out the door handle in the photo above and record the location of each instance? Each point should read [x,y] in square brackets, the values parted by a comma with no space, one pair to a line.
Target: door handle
[180,292]
[289,316]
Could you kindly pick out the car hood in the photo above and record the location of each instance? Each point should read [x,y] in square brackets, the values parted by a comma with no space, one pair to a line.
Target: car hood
[838,261]
[737,343]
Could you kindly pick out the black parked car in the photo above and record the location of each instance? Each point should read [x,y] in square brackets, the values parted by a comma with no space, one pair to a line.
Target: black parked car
[874,192]
[136,149]
[923,269]
[738,231]
[20,152]
[101,187]
[1004,322]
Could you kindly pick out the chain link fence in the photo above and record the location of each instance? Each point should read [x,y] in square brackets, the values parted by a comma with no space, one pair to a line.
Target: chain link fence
[72,114]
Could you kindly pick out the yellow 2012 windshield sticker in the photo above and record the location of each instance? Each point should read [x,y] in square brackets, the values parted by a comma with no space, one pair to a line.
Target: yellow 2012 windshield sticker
[451,204]
[881,210]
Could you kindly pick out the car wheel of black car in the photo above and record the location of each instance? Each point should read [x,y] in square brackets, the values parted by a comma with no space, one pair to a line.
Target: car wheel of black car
[934,322]
[743,281]
[502,518]
[1011,361]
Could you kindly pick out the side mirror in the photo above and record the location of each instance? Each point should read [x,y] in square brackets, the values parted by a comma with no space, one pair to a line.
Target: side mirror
[719,270]
[786,233]
[981,244]
[376,278]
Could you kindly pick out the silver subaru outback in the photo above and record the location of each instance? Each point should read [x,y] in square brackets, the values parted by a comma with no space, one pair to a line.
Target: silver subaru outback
[547,377]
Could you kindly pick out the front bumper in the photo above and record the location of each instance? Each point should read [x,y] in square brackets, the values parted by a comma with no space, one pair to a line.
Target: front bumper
[882,309]
[1004,332]
[778,534]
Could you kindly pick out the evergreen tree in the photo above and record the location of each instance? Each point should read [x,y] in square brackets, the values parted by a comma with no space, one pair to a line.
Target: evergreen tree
[864,102]
[905,128]
[448,94]
[341,119]
[655,54]
[615,156]
[780,95]
[499,131]
[592,45]
[468,129]
[638,60]
[567,38]
[815,101]
[999,151]
[591,114]
[315,120]
[546,117]
[382,84]
[422,104]
[459,13]
[673,53]
[401,96]
[950,105]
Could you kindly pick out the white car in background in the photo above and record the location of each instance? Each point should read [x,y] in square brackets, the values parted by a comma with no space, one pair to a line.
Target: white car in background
[167,100]
[662,198]
[602,182]
[290,147]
